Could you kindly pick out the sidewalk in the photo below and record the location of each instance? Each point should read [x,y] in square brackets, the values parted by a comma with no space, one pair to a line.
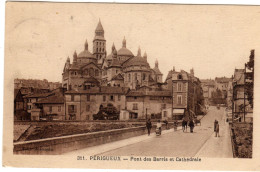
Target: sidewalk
[218,147]
[96,150]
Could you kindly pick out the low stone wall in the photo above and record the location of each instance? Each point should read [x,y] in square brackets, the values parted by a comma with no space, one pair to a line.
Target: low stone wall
[59,145]
[64,144]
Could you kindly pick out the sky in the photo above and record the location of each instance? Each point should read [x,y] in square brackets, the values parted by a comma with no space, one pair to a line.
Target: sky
[212,39]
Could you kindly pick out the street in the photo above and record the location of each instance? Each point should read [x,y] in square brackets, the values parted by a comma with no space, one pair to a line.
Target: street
[202,142]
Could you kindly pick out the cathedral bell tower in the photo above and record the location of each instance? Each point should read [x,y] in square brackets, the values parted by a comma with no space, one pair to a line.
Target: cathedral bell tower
[99,42]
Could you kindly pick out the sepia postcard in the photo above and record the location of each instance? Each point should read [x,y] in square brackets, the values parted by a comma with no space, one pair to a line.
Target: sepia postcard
[131,86]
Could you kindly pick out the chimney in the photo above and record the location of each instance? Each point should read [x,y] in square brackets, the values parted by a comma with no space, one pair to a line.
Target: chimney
[173,69]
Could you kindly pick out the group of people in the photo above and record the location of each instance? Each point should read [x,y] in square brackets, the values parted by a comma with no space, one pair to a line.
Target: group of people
[186,123]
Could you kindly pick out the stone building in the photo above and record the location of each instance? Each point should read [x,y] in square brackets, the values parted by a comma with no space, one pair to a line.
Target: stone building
[240,98]
[187,95]
[84,103]
[148,104]
[119,68]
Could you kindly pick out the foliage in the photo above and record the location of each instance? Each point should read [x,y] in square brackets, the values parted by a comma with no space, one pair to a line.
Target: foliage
[109,112]
[249,86]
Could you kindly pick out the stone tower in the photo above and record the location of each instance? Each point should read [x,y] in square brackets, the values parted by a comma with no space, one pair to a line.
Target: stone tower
[99,42]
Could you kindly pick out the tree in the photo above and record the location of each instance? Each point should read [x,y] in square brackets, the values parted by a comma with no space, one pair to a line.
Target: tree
[249,76]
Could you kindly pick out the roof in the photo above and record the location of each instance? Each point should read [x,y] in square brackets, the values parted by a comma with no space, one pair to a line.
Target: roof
[91,79]
[16,91]
[222,79]
[99,26]
[137,61]
[124,52]
[134,93]
[115,63]
[184,75]
[169,75]
[118,77]
[56,99]
[101,90]
[85,54]
[157,70]
[39,95]
[239,76]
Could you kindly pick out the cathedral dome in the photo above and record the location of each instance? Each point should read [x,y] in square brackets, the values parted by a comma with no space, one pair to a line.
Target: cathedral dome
[85,54]
[124,52]
[137,61]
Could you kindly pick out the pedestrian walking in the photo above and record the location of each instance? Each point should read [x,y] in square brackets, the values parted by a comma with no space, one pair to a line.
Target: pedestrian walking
[166,123]
[191,125]
[217,130]
[149,126]
[215,123]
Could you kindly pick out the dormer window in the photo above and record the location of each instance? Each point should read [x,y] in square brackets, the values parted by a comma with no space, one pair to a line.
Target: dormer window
[180,77]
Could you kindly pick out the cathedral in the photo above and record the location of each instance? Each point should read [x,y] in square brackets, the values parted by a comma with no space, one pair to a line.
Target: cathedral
[121,68]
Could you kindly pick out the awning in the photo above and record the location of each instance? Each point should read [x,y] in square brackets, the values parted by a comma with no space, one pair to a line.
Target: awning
[179,111]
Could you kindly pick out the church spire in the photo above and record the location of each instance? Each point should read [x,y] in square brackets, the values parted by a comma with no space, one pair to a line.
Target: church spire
[99,29]
[139,51]
[145,56]
[86,45]
[124,43]
[156,63]
[75,57]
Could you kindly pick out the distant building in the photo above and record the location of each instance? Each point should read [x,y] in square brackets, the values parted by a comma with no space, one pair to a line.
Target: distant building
[208,87]
[84,103]
[148,104]
[187,95]
[222,85]
[120,68]
[36,84]
[239,97]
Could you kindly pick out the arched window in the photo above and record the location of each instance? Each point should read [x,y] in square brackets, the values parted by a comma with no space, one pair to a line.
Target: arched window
[96,72]
[180,76]
[91,72]
[144,76]
[129,77]
[86,72]
[97,43]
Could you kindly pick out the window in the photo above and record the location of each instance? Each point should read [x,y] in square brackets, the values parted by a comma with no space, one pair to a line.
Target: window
[86,71]
[30,100]
[179,76]
[119,107]
[72,108]
[97,43]
[163,106]
[144,76]
[104,98]
[179,99]
[96,72]
[112,98]
[29,107]
[72,97]
[135,76]
[165,114]
[179,86]
[135,106]
[91,72]
[119,97]
[88,98]
[50,108]
[129,77]
[87,107]
[59,108]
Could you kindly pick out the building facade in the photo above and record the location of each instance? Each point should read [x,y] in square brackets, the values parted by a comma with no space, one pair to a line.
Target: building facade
[119,68]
